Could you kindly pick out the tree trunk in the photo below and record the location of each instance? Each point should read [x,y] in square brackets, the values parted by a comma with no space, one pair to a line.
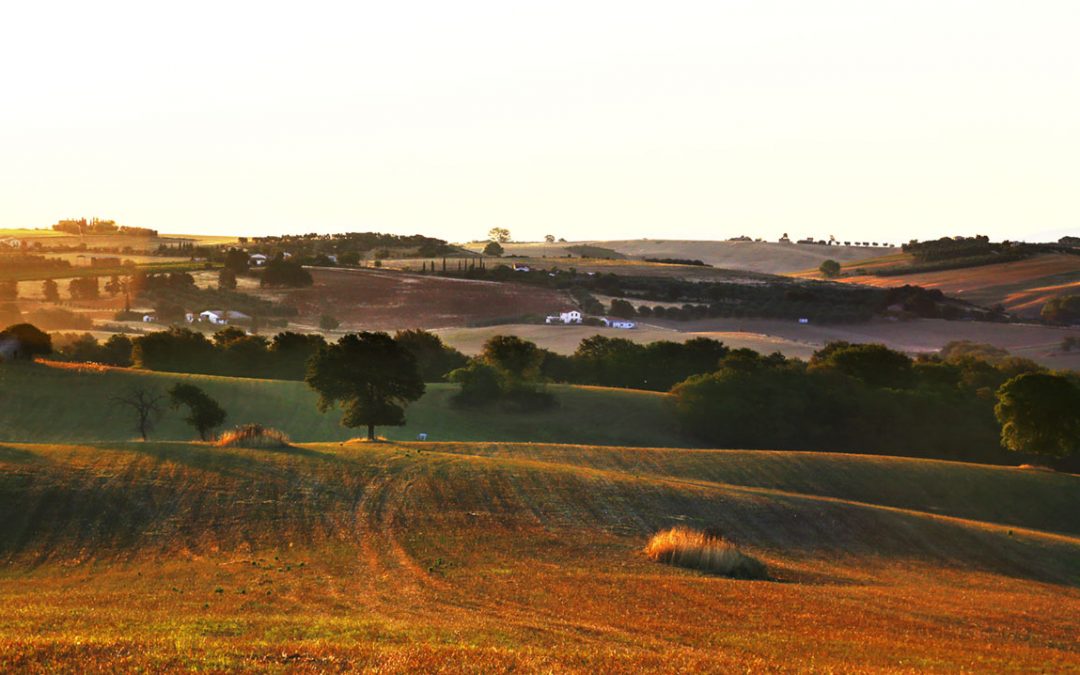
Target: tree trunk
[371,432]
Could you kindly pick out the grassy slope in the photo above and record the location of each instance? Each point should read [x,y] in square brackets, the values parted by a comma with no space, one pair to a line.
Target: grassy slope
[51,404]
[491,557]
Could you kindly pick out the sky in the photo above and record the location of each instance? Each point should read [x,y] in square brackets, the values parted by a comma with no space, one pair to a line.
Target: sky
[884,120]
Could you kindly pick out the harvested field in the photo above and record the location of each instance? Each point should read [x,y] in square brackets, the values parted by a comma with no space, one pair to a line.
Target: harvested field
[752,256]
[368,299]
[1037,342]
[451,557]
[1022,286]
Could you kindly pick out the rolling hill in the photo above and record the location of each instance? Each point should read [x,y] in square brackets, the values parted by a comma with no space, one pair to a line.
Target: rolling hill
[1021,286]
[61,403]
[751,256]
[501,557]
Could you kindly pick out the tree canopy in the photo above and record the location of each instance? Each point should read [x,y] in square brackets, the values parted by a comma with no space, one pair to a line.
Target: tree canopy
[33,341]
[204,413]
[1040,414]
[370,375]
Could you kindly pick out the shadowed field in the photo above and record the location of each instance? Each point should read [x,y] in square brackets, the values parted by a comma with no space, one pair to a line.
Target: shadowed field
[1021,286]
[498,557]
[61,403]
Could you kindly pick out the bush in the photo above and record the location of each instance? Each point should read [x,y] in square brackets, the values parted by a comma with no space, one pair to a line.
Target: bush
[253,436]
[703,551]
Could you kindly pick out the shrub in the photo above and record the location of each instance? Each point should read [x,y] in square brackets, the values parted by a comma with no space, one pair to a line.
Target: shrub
[703,551]
[253,436]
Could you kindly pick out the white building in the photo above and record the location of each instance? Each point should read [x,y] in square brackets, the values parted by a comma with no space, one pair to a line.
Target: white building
[618,323]
[567,317]
[218,317]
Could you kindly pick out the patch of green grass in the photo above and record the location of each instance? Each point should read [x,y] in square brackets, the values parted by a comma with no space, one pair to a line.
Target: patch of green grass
[40,403]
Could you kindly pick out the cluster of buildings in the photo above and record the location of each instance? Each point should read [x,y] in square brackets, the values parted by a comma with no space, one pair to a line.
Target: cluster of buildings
[573,316]
[216,317]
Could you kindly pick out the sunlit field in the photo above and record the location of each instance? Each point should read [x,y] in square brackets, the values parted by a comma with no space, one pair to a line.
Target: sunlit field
[501,557]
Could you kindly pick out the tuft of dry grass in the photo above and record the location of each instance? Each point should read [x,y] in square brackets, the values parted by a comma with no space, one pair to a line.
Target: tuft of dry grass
[253,436]
[1037,467]
[703,551]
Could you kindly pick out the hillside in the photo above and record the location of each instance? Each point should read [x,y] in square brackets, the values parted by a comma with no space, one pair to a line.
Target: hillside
[168,556]
[1021,286]
[41,403]
[752,256]
[369,299]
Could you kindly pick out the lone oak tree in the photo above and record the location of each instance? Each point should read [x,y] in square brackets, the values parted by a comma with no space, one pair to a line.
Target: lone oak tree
[1039,413]
[370,375]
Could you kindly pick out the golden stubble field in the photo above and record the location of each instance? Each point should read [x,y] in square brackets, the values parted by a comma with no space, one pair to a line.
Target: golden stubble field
[500,557]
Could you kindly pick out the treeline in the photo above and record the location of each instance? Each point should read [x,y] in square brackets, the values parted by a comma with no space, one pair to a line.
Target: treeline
[760,296]
[950,248]
[100,226]
[233,352]
[678,261]
[19,265]
[348,247]
[856,398]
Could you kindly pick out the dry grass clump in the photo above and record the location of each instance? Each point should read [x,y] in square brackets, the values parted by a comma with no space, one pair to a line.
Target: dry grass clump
[703,551]
[253,436]
[1036,467]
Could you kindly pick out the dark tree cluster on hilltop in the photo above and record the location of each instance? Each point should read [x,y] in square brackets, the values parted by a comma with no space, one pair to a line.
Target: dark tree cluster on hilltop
[282,273]
[353,245]
[82,226]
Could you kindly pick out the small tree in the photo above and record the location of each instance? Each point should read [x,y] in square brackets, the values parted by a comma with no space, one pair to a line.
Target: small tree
[226,280]
[480,384]
[370,375]
[327,322]
[1064,309]
[549,238]
[147,407]
[204,413]
[494,249]
[499,234]
[1039,413]
[33,341]
[622,309]
[830,269]
[85,288]
[50,290]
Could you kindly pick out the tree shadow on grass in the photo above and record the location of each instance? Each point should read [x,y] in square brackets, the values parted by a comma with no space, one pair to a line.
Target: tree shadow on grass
[234,462]
[19,456]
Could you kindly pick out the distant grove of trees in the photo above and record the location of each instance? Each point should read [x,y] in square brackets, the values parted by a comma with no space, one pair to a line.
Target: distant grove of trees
[100,226]
[1064,309]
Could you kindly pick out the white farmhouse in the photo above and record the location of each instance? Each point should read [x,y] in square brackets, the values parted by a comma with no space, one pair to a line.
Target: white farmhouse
[214,316]
[567,317]
[218,317]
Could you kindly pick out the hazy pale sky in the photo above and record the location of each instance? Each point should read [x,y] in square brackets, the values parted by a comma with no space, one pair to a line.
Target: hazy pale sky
[863,119]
